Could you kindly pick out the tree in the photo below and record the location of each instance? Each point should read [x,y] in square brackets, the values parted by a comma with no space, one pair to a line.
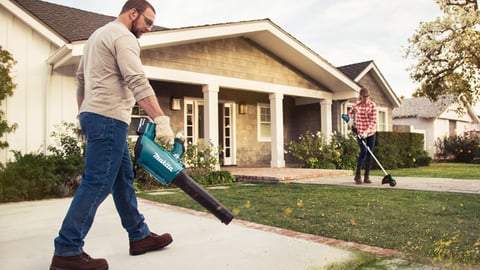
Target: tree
[6,90]
[447,51]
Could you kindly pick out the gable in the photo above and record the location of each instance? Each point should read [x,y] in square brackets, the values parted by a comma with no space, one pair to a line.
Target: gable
[377,94]
[367,74]
[230,57]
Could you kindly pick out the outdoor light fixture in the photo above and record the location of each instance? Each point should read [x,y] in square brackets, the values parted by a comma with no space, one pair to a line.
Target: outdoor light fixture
[175,104]
[242,108]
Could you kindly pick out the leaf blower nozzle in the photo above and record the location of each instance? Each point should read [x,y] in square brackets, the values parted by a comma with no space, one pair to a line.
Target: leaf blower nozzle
[168,169]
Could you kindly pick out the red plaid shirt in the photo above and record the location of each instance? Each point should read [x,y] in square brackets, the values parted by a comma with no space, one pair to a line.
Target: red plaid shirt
[365,117]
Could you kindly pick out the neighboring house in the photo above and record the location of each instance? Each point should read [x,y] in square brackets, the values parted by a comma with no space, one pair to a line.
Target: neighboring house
[435,119]
[248,87]
[367,74]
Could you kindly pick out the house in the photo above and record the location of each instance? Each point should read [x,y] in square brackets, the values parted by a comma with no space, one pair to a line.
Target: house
[368,75]
[435,119]
[247,86]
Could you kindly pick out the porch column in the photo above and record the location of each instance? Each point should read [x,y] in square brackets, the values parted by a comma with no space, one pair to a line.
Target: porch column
[276,118]
[326,117]
[210,100]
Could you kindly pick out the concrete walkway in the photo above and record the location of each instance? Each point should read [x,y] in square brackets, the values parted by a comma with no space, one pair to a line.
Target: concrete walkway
[411,183]
[27,230]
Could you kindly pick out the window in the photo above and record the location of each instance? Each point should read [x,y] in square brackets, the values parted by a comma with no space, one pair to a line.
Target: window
[382,119]
[194,121]
[264,123]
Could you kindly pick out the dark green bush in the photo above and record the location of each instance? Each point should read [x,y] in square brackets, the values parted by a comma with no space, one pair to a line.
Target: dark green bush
[36,176]
[400,150]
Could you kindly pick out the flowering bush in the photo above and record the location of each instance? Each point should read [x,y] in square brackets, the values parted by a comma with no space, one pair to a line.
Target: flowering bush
[460,148]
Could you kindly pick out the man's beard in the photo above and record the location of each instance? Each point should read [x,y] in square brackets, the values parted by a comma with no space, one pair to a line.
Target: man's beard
[135,30]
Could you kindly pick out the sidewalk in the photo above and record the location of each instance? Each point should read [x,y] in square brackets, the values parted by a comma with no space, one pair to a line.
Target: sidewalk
[411,183]
[27,230]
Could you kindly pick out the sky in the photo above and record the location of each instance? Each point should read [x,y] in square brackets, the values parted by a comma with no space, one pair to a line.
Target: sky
[341,31]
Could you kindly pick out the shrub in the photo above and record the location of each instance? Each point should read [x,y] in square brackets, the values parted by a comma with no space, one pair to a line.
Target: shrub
[36,176]
[201,161]
[313,151]
[400,150]
[460,148]
[393,150]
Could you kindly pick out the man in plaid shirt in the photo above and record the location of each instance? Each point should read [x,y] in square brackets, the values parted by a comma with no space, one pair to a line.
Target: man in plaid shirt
[365,114]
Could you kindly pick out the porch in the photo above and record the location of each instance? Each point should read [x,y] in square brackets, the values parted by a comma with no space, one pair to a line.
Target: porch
[276,175]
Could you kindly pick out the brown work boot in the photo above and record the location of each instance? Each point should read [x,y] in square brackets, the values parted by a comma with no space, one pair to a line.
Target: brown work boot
[150,243]
[358,178]
[78,262]
[366,179]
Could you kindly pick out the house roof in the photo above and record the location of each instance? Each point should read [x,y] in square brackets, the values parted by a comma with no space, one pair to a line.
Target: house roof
[69,28]
[353,70]
[423,107]
[357,71]
[70,23]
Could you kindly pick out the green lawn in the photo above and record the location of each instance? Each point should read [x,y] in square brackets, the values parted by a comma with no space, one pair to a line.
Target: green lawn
[442,170]
[431,227]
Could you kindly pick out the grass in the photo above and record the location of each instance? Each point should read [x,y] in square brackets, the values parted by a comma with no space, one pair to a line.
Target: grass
[432,227]
[441,170]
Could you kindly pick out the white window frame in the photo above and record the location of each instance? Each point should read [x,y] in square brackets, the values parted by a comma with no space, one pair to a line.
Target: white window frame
[382,110]
[260,136]
[195,103]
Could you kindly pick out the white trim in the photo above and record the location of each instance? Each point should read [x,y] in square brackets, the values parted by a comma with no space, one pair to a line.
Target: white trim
[261,138]
[33,23]
[384,110]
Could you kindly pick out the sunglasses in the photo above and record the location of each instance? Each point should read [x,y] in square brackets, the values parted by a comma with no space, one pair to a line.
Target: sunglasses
[148,22]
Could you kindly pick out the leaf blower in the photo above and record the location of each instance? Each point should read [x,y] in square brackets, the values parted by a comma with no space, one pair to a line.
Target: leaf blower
[168,168]
[387,179]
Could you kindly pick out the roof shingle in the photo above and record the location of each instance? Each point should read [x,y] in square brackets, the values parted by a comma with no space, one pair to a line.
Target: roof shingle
[353,70]
[423,107]
[70,23]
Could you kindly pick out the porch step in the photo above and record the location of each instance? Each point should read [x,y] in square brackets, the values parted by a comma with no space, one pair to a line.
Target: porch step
[277,175]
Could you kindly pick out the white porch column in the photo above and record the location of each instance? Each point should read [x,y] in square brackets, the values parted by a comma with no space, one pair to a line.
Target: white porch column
[326,117]
[210,100]
[276,118]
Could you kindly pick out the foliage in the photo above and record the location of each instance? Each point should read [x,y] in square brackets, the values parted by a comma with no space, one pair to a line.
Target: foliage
[400,150]
[201,159]
[67,140]
[459,148]
[430,226]
[446,51]
[313,151]
[393,150]
[36,176]
[213,178]
[6,90]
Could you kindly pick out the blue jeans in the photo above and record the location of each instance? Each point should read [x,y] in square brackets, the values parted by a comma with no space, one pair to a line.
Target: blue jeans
[364,154]
[108,169]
